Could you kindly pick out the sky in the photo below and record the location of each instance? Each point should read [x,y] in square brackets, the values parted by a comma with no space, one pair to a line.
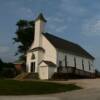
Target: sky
[74,20]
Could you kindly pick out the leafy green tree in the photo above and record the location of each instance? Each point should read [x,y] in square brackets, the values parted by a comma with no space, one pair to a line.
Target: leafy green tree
[24,36]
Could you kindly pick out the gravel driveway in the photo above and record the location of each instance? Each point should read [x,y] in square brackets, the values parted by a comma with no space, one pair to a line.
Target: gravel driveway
[91,91]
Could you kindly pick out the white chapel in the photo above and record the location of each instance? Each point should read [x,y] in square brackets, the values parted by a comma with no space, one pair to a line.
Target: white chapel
[50,54]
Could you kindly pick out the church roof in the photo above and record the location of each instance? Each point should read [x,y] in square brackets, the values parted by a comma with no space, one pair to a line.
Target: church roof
[67,46]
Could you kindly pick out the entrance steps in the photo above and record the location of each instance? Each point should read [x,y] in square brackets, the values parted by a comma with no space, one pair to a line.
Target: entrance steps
[25,75]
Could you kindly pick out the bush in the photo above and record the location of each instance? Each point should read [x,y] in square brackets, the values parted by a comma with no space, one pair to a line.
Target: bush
[60,76]
[7,70]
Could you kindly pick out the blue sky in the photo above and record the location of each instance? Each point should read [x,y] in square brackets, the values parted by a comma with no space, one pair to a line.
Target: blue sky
[74,20]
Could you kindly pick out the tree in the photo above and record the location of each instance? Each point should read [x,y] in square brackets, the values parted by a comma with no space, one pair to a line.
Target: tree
[1,64]
[24,36]
[1,61]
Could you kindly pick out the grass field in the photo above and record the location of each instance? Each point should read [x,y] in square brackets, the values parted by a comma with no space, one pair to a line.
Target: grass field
[13,87]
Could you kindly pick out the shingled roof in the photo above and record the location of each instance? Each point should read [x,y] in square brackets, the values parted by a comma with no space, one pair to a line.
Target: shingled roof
[67,46]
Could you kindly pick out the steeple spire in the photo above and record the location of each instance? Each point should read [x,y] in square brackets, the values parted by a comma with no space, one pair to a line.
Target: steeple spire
[41,17]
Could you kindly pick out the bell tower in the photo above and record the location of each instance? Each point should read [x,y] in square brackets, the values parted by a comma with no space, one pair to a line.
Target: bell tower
[39,29]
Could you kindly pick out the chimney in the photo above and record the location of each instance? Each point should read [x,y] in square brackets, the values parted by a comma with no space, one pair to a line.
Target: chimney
[39,29]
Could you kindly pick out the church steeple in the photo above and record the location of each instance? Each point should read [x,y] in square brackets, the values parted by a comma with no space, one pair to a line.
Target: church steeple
[39,29]
[41,17]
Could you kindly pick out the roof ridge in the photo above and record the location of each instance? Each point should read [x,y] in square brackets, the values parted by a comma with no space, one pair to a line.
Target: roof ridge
[61,38]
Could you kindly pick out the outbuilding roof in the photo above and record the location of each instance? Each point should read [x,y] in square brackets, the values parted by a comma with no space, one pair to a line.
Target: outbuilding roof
[49,63]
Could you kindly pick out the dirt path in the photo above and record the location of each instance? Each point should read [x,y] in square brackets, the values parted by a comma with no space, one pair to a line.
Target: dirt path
[85,83]
[91,90]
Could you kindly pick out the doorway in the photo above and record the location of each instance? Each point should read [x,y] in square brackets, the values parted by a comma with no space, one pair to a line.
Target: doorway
[33,67]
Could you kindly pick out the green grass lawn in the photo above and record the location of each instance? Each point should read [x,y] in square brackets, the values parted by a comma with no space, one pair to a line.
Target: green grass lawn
[13,87]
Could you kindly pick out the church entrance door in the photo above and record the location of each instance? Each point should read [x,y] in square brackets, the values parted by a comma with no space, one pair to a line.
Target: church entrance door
[33,67]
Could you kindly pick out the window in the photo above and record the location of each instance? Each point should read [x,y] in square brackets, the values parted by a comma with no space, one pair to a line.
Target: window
[60,63]
[82,64]
[89,65]
[75,62]
[65,61]
[60,66]
[33,56]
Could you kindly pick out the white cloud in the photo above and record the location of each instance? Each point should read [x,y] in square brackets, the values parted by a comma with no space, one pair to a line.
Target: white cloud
[4,49]
[91,26]
[73,7]
[88,17]
[25,12]
[55,24]
[61,29]
[19,8]
[55,19]
[11,3]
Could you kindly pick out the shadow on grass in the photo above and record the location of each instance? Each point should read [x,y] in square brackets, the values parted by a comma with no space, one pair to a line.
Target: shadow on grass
[14,87]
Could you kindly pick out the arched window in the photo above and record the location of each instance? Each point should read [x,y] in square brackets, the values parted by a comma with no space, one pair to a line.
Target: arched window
[33,56]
